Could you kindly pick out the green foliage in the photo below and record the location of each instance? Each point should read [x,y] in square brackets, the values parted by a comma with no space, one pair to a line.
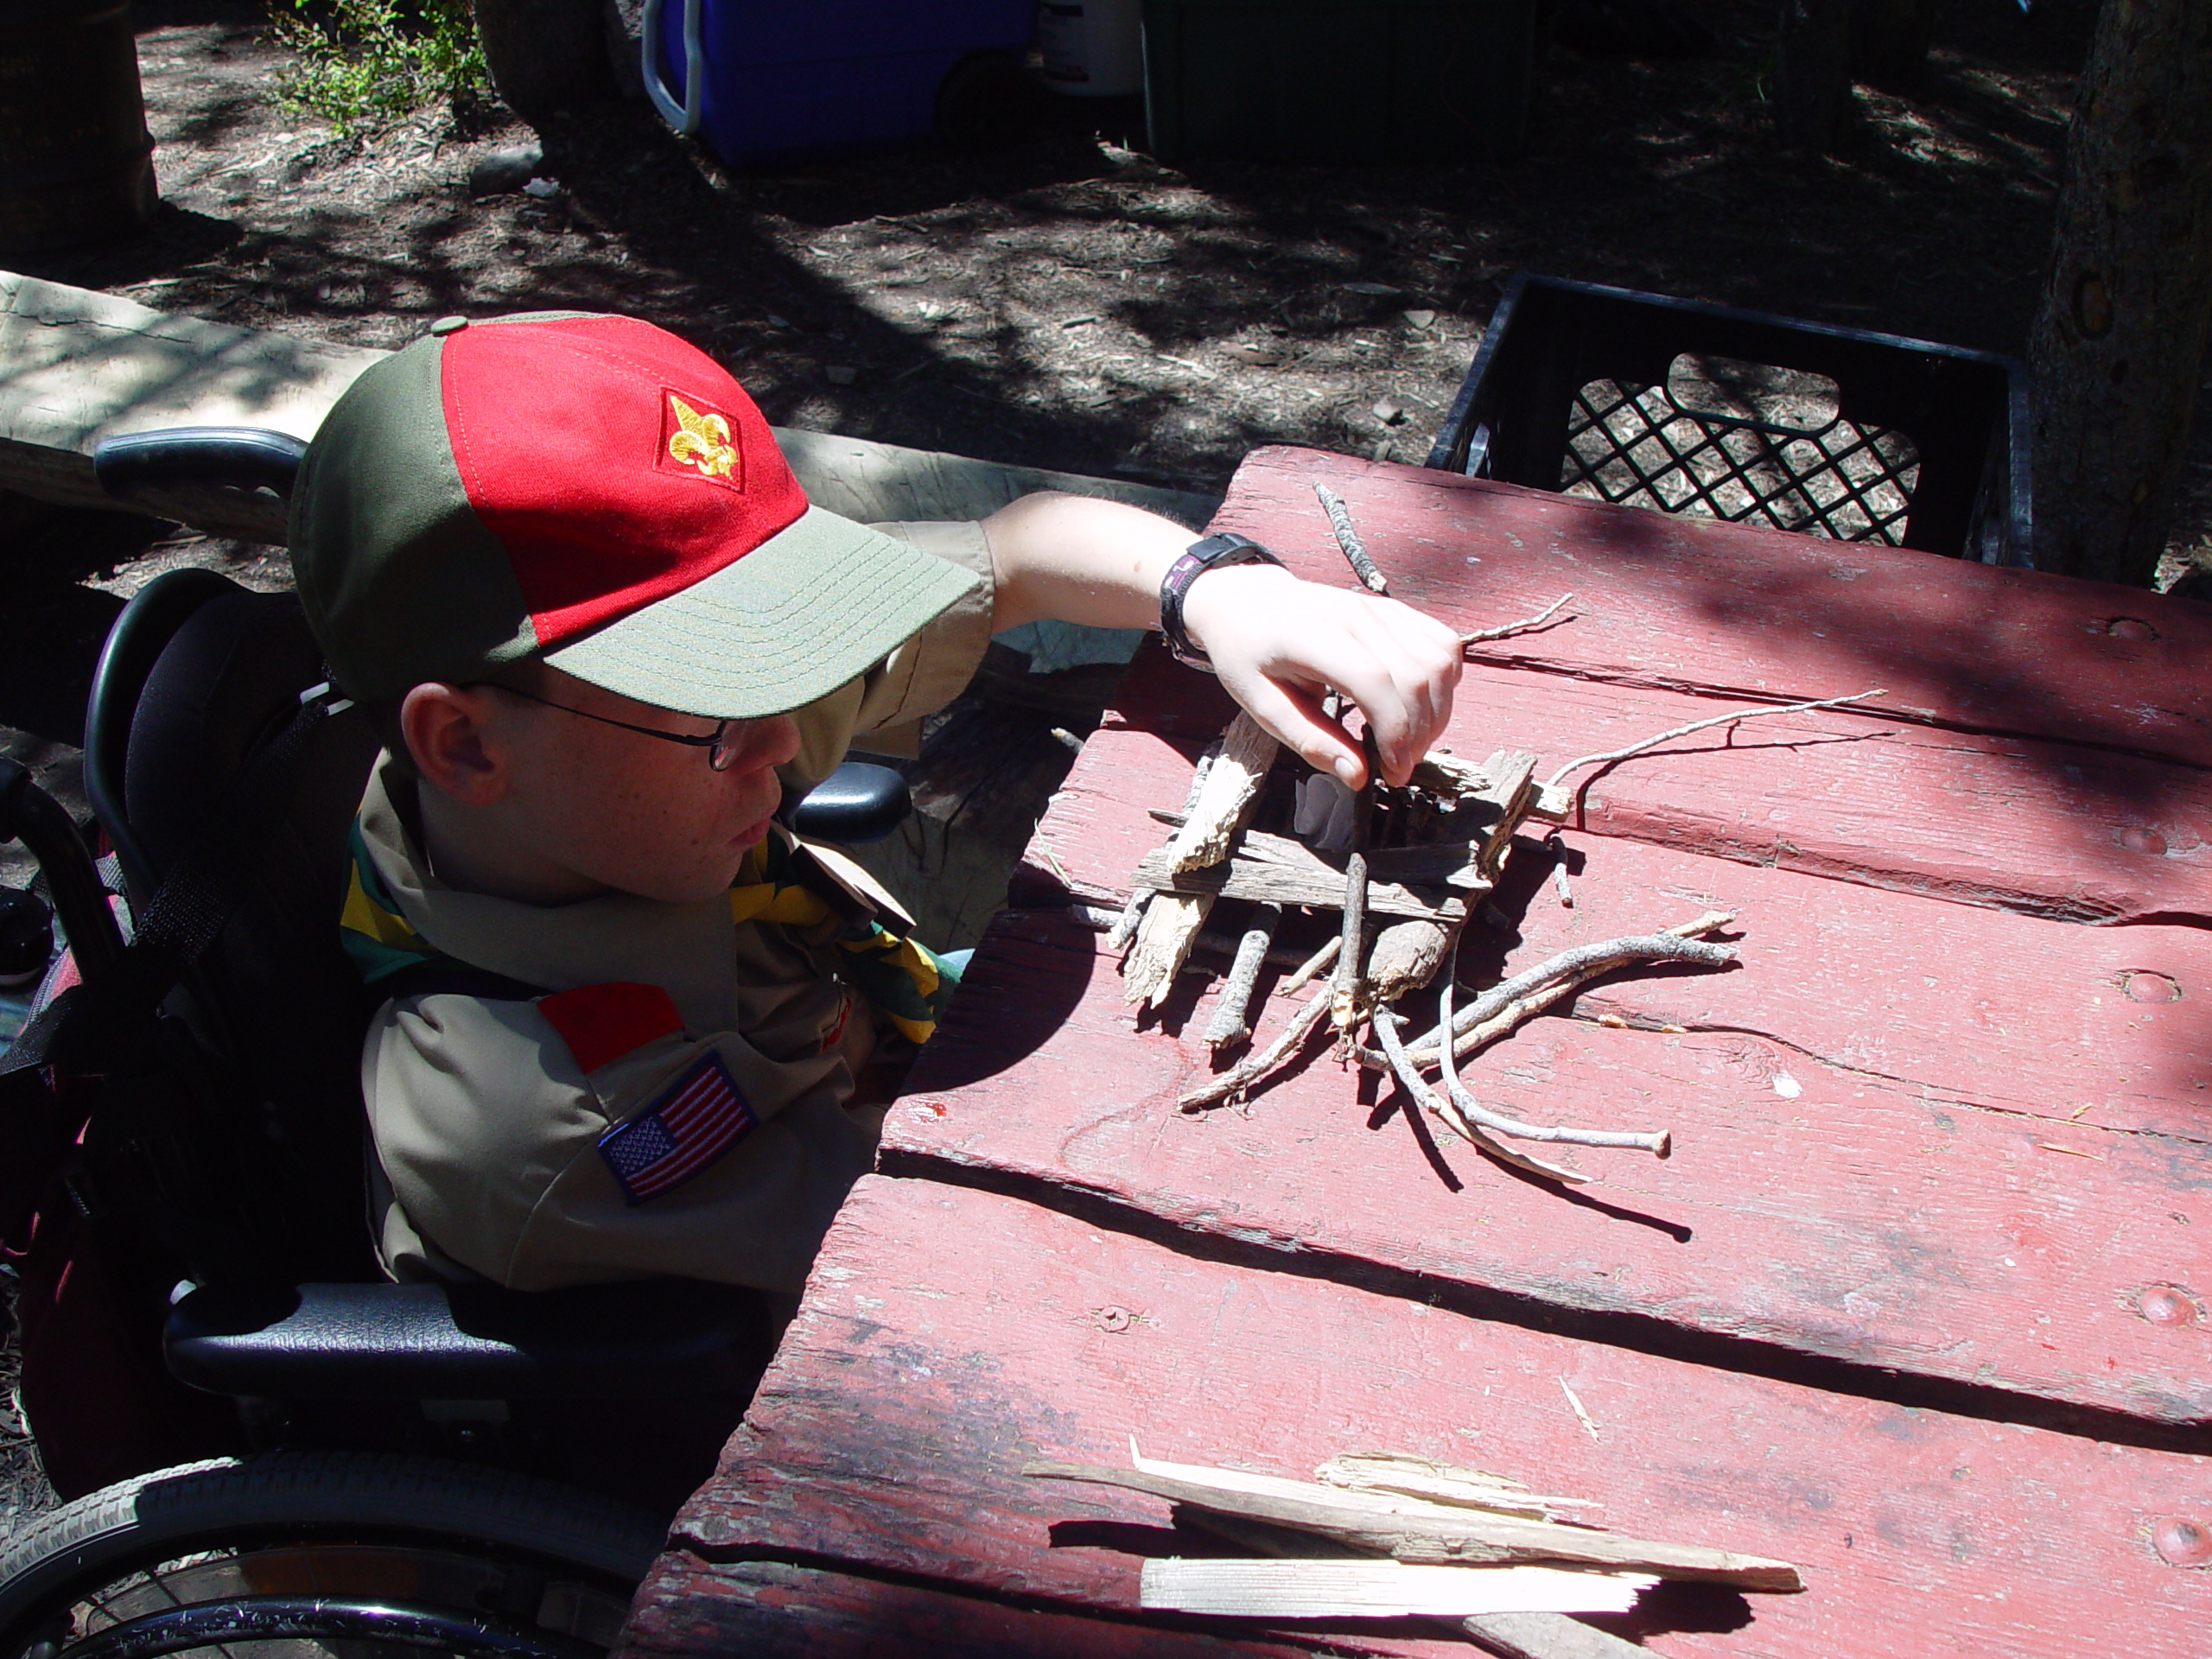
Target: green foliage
[363,64]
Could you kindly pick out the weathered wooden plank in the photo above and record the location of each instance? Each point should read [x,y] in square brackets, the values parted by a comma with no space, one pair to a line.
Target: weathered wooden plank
[1277,869]
[1954,1001]
[2049,828]
[1682,603]
[2054,830]
[82,364]
[694,1608]
[948,1336]
[1924,1015]
[872,481]
[1808,1205]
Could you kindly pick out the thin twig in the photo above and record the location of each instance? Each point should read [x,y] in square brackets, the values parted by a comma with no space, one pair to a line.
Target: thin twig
[1351,944]
[1559,776]
[1198,772]
[1585,962]
[1557,846]
[1314,965]
[1352,959]
[1657,1144]
[1125,926]
[1365,568]
[1385,1031]
[1229,1026]
[1251,1071]
[1526,623]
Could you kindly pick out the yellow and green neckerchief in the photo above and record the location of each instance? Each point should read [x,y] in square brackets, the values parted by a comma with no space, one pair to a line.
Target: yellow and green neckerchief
[904,979]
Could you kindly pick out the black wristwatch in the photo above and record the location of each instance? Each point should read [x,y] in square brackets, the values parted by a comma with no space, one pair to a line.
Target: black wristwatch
[1211,554]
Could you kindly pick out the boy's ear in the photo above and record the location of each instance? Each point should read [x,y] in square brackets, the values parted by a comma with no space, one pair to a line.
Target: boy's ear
[446,731]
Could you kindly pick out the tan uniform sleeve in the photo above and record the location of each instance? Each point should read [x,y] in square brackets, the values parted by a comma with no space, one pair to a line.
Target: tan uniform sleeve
[487,1132]
[920,676]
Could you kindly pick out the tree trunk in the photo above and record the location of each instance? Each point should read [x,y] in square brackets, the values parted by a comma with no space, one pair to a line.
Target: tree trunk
[2118,354]
[1812,73]
[546,56]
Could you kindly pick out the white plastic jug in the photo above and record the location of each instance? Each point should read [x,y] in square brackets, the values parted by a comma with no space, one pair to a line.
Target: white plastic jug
[1092,48]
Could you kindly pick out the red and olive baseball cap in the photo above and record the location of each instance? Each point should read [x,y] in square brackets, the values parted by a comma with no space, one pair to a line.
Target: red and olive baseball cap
[593,491]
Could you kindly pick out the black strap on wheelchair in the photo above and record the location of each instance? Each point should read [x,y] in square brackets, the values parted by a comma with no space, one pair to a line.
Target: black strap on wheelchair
[187,913]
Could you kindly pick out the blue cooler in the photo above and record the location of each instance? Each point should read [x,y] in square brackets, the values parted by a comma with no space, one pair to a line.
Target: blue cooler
[761,79]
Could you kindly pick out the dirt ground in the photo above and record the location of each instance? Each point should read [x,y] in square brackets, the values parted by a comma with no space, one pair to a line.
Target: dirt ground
[1066,302]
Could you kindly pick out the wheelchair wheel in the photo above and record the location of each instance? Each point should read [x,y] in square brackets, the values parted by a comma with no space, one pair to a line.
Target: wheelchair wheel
[296,1555]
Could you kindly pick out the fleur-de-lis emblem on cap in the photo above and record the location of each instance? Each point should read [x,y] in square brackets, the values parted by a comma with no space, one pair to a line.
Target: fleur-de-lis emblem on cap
[701,441]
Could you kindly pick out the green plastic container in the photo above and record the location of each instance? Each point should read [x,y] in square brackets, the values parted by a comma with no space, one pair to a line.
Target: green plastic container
[1338,81]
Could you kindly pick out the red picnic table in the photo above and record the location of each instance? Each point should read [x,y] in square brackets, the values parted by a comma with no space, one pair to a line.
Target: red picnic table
[1919,1301]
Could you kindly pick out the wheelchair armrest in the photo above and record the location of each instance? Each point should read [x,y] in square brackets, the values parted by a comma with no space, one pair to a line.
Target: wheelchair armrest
[236,457]
[659,1337]
[858,801]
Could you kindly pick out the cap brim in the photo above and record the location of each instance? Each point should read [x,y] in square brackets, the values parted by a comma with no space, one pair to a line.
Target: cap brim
[807,610]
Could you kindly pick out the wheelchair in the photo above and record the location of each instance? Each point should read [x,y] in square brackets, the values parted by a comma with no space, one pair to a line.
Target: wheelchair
[259,1438]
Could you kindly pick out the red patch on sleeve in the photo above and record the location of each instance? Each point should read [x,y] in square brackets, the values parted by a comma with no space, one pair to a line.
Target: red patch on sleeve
[601,1023]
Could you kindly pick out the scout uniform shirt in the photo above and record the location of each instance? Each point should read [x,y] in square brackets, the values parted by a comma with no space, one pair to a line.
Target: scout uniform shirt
[679,1103]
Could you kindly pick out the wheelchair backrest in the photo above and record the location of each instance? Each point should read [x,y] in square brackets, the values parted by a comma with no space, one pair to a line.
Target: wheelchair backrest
[199,675]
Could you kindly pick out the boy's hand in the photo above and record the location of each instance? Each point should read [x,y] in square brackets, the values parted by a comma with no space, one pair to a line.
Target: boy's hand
[1278,642]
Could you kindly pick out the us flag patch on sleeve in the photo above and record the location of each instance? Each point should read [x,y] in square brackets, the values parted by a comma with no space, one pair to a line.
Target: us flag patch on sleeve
[693,1122]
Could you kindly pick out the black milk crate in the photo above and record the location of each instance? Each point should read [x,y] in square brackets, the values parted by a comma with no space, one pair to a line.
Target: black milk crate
[1618,396]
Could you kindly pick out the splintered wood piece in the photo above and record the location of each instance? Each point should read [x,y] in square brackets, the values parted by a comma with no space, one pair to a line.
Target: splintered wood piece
[1341,1589]
[1164,939]
[1509,784]
[1402,1475]
[1378,1482]
[1448,774]
[1547,1636]
[1266,868]
[1414,1530]
[1231,789]
[1516,1635]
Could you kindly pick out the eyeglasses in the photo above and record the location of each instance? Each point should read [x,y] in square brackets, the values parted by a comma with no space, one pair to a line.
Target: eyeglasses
[718,744]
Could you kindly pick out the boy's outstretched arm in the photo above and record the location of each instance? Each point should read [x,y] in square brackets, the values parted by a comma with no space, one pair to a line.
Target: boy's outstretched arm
[1277,642]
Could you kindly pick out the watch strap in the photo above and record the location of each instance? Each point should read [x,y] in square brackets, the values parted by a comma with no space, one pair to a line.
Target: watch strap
[1214,553]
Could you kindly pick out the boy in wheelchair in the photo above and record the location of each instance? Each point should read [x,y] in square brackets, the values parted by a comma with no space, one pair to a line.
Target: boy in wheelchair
[602,632]
[625,1026]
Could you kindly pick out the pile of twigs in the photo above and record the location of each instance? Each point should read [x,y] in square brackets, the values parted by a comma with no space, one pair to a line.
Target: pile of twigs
[1455,825]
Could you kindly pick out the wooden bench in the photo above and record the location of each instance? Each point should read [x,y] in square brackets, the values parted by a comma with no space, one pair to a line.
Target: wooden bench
[1919,1301]
[76,366]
